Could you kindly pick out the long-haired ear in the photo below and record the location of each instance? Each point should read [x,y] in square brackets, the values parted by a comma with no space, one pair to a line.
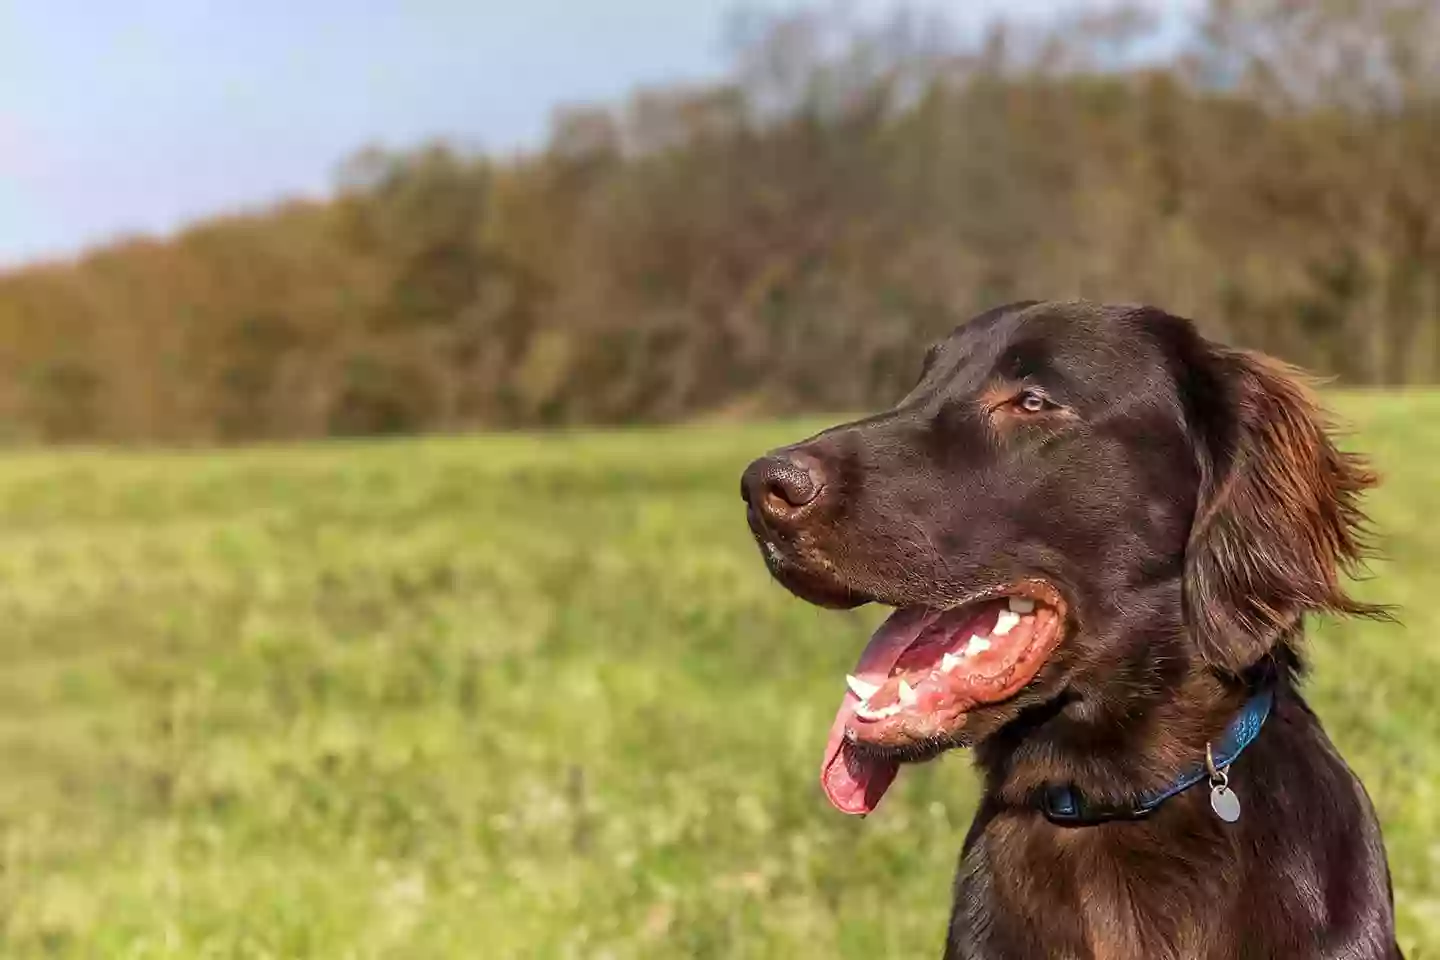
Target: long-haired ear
[1278,522]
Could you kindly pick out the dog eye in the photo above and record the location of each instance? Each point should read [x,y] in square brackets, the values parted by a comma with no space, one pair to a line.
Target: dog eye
[1032,401]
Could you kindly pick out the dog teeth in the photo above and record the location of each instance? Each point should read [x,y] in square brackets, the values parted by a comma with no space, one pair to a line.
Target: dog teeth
[1005,623]
[860,688]
[865,713]
[907,694]
[949,662]
[976,645]
[1022,605]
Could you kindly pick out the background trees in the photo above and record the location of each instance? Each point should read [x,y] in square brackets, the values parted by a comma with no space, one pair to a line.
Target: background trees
[788,238]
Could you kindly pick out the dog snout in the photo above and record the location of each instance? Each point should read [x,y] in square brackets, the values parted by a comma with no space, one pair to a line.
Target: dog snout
[782,487]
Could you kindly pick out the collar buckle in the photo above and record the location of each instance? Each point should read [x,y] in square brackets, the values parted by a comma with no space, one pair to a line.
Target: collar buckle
[1063,804]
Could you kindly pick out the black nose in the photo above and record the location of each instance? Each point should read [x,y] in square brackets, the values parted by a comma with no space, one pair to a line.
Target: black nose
[781,486]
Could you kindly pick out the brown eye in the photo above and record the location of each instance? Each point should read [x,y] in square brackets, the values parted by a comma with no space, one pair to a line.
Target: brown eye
[1032,401]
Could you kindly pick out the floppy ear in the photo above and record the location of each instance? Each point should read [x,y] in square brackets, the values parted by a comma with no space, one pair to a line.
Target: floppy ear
[1278,520]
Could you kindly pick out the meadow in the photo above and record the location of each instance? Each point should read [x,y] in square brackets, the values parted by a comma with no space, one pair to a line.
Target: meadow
[518,696]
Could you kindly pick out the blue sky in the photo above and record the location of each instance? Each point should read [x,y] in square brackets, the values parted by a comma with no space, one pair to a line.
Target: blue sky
[131,117]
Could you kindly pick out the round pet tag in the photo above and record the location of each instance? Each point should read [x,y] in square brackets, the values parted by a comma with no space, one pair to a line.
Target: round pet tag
[1225,804]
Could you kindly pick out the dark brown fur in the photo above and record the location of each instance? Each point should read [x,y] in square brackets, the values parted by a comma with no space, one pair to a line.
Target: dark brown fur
[1188,501]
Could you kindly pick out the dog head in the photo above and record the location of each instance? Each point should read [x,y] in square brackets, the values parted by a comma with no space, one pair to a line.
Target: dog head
[1064,480]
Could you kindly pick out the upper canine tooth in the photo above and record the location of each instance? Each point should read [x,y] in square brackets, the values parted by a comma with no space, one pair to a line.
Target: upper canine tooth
[949,662]
[861,689]
[976,645]
[864,712]
[907,693]
[1022,605]
[1005,622]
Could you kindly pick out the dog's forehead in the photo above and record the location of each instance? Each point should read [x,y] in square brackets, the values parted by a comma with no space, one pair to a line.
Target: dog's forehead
[1077,341]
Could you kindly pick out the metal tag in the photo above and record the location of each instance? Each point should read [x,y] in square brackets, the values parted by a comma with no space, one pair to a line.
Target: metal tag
[1224,802]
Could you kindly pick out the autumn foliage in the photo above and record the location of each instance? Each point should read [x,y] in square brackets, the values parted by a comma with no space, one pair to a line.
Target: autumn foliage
[787,239]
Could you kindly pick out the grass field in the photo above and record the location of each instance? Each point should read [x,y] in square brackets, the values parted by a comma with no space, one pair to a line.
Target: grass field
[516,697]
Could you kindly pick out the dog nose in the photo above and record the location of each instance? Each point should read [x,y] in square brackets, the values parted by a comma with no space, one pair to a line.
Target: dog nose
[781,486]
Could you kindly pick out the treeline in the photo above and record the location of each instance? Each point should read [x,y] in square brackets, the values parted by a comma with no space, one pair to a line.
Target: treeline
[788,239]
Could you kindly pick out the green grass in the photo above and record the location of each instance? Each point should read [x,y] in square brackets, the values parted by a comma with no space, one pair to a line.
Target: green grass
[516,697]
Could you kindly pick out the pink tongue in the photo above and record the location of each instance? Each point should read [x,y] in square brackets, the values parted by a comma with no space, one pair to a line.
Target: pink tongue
[855,784]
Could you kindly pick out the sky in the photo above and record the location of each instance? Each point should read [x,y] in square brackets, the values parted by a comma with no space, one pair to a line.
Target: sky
[138,117]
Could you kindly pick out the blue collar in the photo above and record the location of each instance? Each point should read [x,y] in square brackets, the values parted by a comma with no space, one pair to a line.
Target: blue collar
[1065,805]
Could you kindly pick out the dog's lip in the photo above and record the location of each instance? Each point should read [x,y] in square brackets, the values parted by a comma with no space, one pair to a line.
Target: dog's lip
[807,579]
[1039,589]
[815,583]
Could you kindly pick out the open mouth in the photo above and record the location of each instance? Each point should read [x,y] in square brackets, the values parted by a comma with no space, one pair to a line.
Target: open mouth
[920,675]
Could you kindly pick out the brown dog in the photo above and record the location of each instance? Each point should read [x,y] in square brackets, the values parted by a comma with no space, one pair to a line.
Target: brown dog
[1100,532]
